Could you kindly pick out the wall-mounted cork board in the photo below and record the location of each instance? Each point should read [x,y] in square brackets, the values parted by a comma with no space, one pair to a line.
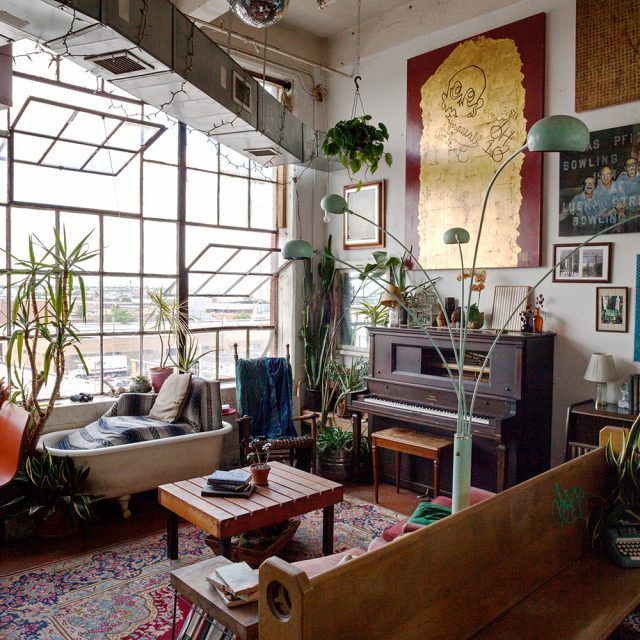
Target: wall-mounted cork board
[607,53]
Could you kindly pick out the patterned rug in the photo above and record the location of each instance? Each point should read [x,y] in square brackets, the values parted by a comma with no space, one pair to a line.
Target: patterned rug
[121,592]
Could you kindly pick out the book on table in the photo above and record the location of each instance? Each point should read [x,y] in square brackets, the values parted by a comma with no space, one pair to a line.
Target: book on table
[231,478]
[215,492]
[236,583]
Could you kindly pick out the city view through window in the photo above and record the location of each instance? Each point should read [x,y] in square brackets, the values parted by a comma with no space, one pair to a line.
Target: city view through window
[104,163]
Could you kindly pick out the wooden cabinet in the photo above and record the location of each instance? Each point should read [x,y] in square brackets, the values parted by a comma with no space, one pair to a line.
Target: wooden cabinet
[584,422]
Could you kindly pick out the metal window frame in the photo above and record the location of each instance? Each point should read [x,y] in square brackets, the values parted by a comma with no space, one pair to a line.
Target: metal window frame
[182,272]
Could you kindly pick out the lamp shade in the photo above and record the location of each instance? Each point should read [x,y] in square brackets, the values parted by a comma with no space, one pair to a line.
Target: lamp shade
[333,203]
[455,235]
[558,133]
[297,250]
[601,368]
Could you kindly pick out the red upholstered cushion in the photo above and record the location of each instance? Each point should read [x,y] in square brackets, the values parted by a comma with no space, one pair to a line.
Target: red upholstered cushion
[315,566]
[476,495]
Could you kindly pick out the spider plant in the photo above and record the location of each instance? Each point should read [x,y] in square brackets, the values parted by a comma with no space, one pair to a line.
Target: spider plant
[374,313]
[624,501]
[41,325]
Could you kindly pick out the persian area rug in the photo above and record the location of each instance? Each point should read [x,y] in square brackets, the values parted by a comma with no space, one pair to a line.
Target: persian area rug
[122,592]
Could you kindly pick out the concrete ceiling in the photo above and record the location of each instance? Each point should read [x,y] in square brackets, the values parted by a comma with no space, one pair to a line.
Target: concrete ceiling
[303,14]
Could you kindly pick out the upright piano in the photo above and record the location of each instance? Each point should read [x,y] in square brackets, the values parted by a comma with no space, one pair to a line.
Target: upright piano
[408,386]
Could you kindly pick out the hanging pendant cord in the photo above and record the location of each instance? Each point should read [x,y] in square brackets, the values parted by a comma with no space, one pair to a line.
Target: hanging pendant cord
[357,99]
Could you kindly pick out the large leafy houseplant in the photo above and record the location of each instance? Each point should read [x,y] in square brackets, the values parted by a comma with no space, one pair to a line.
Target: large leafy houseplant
[41,326]
[623,504]
[51,485]
[357,144]
[346,379]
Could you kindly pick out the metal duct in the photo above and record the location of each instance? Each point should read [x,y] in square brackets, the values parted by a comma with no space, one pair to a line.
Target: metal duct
[154,52]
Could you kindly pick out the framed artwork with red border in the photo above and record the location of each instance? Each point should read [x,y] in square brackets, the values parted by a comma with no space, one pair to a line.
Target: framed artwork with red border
[469,106]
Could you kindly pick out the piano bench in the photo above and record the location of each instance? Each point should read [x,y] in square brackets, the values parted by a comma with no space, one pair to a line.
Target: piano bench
[423,445]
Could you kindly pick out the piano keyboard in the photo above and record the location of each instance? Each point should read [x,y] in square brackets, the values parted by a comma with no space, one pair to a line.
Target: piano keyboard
[420,408]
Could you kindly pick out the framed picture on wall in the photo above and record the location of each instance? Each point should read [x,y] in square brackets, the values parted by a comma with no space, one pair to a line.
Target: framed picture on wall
[612,309]
[591,263]
[369,203]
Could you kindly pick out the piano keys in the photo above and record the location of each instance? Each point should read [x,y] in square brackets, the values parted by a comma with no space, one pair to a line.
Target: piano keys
[409,386]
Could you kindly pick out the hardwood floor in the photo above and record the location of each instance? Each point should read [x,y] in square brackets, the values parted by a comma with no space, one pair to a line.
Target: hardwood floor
[148,517]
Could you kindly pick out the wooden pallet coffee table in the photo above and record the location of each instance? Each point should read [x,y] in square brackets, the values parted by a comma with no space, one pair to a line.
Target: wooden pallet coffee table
[291,492]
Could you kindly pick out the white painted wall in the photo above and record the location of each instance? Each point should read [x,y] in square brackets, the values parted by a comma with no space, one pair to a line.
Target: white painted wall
[569,308]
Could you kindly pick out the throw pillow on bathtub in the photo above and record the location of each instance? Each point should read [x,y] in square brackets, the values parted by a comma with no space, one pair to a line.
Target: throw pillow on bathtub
[171,397]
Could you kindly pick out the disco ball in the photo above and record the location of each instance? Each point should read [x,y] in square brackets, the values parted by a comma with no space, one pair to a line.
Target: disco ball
[259,13]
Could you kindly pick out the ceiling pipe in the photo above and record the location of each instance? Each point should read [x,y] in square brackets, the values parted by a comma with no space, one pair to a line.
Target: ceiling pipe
[270,47]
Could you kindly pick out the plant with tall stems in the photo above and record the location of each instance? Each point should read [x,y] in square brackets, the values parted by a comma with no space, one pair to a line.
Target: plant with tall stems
[41,325]
[554,133]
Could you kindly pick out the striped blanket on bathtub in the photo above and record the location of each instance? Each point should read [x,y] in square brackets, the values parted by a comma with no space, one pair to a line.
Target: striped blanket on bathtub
[127,420]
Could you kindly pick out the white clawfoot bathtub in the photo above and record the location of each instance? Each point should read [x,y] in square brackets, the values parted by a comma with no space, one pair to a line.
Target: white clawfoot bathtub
[121,470]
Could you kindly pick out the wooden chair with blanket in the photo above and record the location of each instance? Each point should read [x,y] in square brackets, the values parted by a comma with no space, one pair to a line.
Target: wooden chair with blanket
[265,409]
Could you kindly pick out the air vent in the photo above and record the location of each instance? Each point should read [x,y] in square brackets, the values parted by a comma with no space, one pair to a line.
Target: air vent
[262,152]
[119,63]
[14,21]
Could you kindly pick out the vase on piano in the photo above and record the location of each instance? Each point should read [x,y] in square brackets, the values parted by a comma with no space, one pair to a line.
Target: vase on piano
[475,317]
[538,320]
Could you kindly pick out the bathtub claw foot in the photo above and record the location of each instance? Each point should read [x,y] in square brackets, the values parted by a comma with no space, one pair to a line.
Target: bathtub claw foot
[124,505]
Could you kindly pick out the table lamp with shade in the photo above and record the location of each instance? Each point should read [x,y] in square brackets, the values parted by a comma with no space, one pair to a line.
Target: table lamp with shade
[601,369]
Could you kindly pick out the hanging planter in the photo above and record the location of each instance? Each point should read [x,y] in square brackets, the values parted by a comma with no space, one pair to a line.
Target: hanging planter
[357,144]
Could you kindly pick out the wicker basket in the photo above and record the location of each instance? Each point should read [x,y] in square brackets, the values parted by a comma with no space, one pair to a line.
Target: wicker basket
[256,557]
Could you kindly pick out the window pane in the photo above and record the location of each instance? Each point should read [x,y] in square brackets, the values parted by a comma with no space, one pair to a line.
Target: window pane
[121,359]
[73,189]
[233,162]
[76,378]
[27,222]
[3,169]
[47,119]
[68,155]
[77,227]
[92,296]
[227,364]
[29,148]
[73,73]
[132,136]
[109,161]
[202,151]
[121,304]
[263,173]
[121,245]
[261,344]
[202,196]
[234,201]
[154,352]
[160,255]
[165,148]
[87,127]
[263,205]
[207,364]
[160,191]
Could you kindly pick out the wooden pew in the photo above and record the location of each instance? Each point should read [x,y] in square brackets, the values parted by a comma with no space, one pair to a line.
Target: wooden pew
[467,572]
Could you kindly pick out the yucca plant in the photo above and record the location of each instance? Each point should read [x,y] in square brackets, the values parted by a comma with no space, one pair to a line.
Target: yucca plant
[41,322]
[49,484]
[624,501]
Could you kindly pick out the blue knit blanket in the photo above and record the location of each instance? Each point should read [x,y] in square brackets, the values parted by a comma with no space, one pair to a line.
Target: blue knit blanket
[263,388]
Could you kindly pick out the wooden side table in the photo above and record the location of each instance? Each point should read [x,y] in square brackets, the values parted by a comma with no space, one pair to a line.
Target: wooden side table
[584,422]
[192,583]
[412,442]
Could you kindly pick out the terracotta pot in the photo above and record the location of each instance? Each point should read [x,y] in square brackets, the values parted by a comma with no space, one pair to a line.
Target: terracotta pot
[158,375]
[260,475]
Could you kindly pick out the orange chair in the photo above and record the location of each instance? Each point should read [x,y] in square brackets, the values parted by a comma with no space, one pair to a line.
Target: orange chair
[14,423]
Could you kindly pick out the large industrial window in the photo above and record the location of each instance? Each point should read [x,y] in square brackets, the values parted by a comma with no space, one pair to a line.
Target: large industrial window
[77,153]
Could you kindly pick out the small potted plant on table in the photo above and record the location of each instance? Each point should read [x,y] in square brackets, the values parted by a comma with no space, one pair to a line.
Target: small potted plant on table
[259,459]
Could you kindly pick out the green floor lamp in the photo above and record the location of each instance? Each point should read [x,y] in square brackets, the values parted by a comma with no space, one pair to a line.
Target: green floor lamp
[554,133]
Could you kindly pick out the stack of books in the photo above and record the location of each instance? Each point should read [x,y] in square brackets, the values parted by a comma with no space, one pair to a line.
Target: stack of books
[198,626]
[236,583]
[634,393]
[235,483]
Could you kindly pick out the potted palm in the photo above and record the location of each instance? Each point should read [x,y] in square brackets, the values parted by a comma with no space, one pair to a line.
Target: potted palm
[49,292]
